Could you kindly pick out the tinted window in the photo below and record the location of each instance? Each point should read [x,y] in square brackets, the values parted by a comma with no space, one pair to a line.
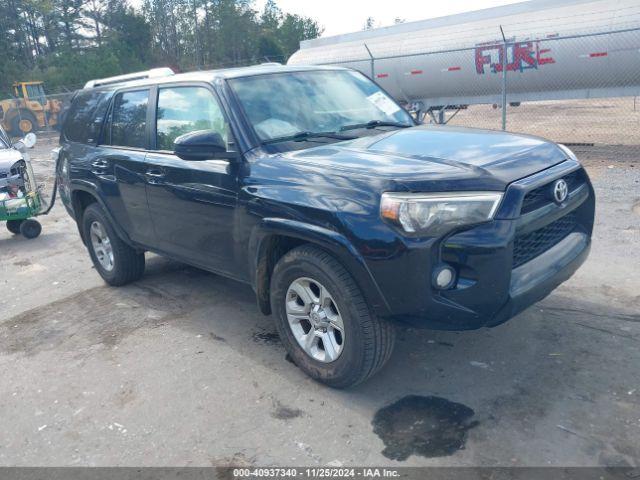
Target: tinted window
[186,109]
[83,120]
[129,120]
[36,93]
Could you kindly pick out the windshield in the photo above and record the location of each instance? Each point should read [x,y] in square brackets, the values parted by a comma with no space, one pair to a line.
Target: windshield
[287,104]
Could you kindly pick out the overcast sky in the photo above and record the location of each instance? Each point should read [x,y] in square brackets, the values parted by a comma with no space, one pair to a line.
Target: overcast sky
[344,16]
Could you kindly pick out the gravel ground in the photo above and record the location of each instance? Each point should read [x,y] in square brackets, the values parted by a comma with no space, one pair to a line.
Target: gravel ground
[181,368]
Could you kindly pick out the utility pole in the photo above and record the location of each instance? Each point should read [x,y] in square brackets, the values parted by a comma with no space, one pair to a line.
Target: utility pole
[195,34]
[504,80]
[373,63]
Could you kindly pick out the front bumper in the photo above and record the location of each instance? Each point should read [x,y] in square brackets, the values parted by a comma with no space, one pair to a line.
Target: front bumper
[494,281]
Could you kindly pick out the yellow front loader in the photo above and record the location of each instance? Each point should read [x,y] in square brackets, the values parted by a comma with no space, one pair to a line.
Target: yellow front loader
[29,110]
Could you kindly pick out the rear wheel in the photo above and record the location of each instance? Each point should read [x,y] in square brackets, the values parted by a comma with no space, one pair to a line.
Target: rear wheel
[30,228]
[324,321]
[14,226]
[116,262]
[23,123]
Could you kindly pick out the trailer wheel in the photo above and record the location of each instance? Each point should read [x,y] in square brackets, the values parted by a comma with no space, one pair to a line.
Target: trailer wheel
[14,226]
[30,228]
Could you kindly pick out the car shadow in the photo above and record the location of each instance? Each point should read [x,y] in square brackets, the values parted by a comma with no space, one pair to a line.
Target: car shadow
[482,361]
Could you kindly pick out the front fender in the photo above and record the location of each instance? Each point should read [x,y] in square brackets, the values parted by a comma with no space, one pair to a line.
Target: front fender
[338,245]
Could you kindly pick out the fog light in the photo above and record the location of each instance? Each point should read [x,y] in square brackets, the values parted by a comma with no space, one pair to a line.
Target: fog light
[444,277]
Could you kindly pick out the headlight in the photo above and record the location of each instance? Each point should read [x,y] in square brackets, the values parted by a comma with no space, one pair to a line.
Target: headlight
[435,214]
[569,152]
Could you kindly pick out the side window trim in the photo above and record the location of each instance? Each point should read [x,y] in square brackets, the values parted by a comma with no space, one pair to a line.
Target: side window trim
[107,123]
[154,108]
[152,136]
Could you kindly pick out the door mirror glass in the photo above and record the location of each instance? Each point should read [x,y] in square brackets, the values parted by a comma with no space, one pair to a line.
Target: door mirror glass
[200,145]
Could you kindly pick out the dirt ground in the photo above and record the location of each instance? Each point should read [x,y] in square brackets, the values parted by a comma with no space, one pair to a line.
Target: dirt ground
[600,121]
[180,369]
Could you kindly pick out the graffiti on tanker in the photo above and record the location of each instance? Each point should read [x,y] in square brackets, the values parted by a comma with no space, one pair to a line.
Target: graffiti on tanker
[521,56]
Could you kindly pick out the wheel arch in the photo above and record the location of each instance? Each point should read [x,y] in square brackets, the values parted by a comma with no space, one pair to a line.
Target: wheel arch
[275,237]
[81,198]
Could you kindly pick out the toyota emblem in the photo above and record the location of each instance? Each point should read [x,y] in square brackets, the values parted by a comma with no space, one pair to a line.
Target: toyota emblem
[560,191]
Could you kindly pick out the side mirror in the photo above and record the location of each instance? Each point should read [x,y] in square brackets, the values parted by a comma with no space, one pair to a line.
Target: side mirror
[201,145]
[27,142]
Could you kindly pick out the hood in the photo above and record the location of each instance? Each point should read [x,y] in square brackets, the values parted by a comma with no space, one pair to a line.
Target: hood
[8,156]
[437,155]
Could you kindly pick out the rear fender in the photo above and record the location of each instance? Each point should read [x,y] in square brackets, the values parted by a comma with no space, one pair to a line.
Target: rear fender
[333,242]
[77,186]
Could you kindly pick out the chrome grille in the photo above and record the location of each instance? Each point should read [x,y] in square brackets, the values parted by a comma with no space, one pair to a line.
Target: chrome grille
[543,195]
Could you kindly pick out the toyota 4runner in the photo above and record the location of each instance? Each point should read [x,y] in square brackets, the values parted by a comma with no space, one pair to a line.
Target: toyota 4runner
[315,187]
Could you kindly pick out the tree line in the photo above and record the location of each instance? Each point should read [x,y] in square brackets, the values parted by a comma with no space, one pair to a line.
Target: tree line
[67,42]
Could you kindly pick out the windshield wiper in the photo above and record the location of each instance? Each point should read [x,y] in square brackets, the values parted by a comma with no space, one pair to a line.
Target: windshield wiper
[302,136]
[374,124]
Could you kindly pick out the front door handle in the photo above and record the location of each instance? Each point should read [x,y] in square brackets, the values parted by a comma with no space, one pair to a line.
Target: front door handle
[99,167]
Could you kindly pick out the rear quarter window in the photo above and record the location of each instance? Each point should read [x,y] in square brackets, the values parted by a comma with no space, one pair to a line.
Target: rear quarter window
[85,116]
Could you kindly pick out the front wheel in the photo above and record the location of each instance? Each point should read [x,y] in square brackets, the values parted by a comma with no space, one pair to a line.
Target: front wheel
[116,262]
[324,321]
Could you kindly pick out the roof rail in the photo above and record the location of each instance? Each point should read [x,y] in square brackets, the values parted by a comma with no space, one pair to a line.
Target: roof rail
[153,73]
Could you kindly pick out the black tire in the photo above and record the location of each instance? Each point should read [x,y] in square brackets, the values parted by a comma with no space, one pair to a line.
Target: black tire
[368,339]
[128,263]
[24,116]
[30,228]
[14,226]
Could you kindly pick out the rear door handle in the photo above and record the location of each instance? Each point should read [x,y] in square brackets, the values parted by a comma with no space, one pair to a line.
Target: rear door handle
[155,175]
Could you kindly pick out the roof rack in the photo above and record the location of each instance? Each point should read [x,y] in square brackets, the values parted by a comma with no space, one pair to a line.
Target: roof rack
[153,73]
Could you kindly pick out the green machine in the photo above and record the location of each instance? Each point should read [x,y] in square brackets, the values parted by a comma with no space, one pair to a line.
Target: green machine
[21,197]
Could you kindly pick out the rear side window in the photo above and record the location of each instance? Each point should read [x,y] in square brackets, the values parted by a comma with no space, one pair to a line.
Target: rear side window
[128,125]
[85,116]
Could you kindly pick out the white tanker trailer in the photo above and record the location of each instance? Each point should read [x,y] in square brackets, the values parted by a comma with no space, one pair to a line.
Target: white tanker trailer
[556,49]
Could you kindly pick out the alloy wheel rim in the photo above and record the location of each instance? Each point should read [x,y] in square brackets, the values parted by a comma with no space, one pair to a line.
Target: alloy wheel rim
[102,247]
[315,320]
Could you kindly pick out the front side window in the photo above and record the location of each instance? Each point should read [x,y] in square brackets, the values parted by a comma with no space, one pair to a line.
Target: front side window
[35,91]
[129,120]
[282,104]
[186,109]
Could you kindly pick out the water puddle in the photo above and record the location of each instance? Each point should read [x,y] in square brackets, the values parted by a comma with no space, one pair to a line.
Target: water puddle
[426,426]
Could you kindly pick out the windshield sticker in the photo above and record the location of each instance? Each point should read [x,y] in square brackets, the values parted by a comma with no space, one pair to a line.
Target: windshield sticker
[383,103]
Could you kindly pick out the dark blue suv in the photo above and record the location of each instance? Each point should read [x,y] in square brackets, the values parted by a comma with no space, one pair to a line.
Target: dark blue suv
[316,188]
